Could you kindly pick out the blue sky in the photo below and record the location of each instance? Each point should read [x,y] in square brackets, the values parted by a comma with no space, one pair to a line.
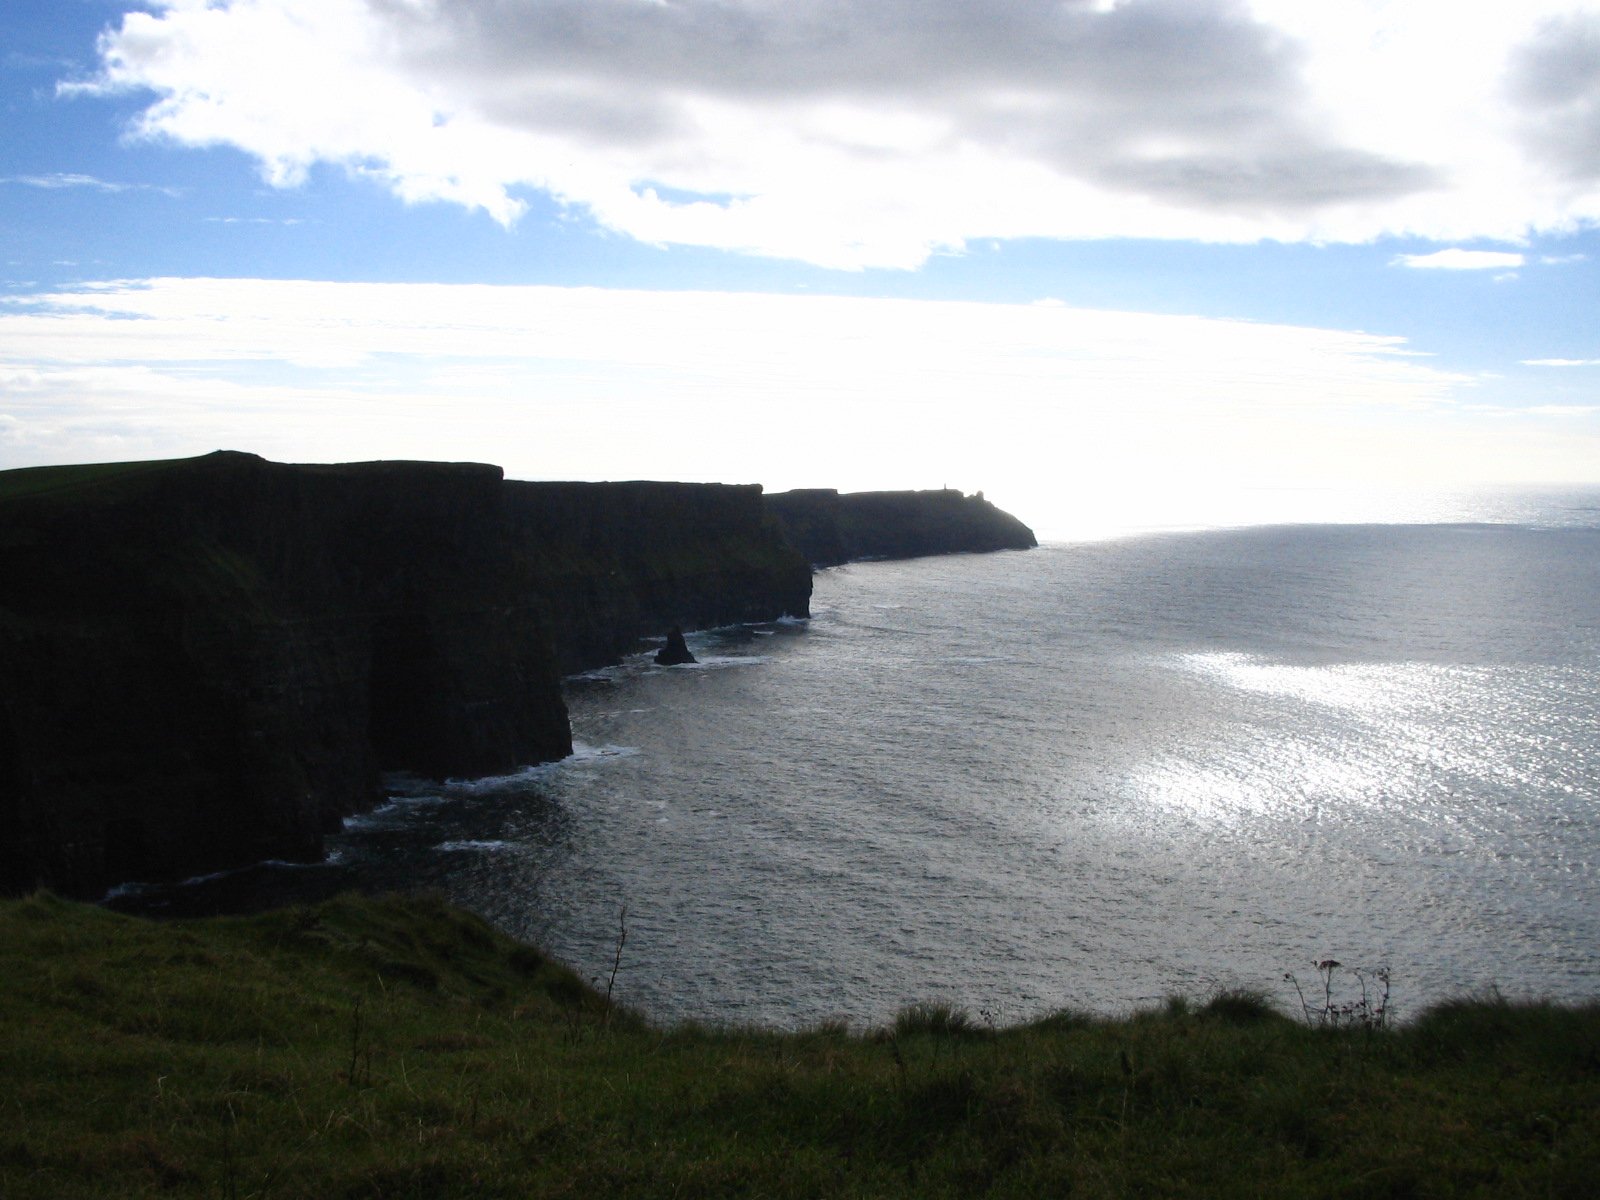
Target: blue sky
[1080,254]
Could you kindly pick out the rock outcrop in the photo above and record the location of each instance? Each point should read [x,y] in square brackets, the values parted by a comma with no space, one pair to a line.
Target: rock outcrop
[207,662]
[830,528]
[676,652]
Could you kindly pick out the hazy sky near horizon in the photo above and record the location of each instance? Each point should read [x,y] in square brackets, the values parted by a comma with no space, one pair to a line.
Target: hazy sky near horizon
[1075,252]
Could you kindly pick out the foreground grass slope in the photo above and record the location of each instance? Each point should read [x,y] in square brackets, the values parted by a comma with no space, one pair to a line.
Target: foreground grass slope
[402,1048]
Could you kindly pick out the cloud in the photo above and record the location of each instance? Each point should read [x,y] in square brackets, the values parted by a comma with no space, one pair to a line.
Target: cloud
[858,133]
[1460,260]
[254,220]
[15,60]
[1061,413]
[1052,409]
[1561,362]
[60,180]
[1554,81]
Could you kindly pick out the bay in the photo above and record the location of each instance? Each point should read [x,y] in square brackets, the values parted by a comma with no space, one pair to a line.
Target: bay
[1087,776]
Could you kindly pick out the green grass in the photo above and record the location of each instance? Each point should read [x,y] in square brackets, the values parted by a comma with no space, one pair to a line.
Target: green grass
[40,481]
[399,1048]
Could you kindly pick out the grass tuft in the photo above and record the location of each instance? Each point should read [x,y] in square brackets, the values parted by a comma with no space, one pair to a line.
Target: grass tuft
[1240,1006]
[937,1020]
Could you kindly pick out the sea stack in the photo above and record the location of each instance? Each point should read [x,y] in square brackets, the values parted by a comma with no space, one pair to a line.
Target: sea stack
[676,651]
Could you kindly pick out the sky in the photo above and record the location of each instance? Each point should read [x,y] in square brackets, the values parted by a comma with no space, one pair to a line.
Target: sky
[1107,260]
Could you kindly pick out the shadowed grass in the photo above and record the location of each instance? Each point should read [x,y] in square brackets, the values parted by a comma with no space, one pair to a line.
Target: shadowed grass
[389,1048]
[1238,1006]
[936,1020]
[39,481]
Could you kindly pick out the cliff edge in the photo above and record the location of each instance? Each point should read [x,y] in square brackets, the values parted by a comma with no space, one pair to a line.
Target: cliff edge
[830,527]
[622,562]
[208,662]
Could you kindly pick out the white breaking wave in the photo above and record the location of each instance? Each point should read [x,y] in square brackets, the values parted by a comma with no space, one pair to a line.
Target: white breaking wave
[717,662]
[597,675]
[134,889]
[475,845]
[392,810]
[582,752]
[127,891]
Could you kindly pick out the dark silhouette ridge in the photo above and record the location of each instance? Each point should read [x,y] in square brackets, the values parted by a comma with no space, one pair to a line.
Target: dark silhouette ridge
[831,528]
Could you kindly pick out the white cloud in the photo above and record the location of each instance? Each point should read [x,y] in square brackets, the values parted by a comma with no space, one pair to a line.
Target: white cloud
[61,180]
[1461,260]
[254,220]
[1561,362]
[876,132]
[1054,410]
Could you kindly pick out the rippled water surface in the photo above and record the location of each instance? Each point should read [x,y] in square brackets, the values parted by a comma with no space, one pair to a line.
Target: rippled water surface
[1089,775]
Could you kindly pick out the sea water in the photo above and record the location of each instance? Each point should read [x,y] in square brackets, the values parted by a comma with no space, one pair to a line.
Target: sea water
[1087,776]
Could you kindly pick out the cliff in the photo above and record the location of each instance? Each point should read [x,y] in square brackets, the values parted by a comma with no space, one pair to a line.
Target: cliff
[207,662]
[830,528]
[624,561]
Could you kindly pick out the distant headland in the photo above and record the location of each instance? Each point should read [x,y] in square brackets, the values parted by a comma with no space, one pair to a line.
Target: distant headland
[831,528]
[208,662]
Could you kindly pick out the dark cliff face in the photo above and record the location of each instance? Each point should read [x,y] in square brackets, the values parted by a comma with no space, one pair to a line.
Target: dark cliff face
[830,528]
[208,662]
[462,678]
[159,640]
[619,562]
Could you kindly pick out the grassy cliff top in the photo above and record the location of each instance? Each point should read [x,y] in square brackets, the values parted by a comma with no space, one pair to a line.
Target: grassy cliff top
[122,480]
[388,1048]
[40,481]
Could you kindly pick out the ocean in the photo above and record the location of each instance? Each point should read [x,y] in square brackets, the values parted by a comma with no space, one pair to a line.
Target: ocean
[1087,776]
